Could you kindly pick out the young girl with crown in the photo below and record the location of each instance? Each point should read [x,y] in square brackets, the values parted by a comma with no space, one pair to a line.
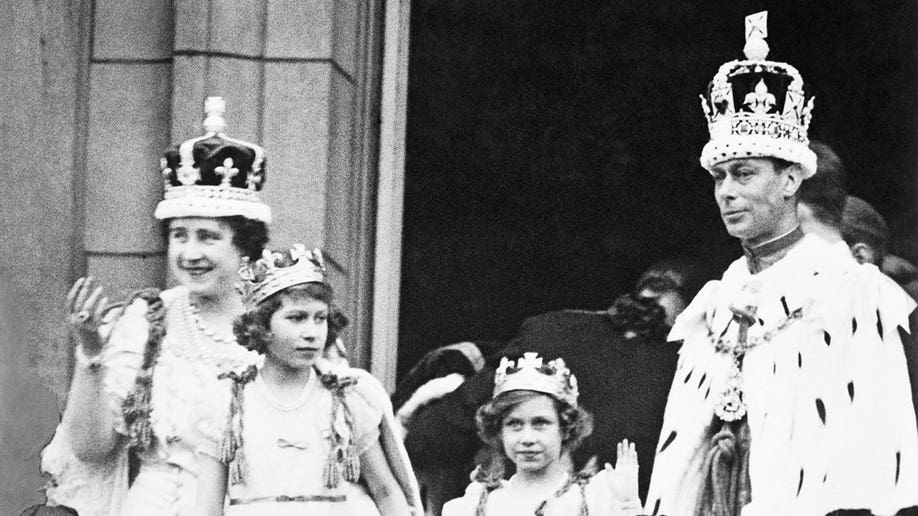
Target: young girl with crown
[301,436]
[533,421]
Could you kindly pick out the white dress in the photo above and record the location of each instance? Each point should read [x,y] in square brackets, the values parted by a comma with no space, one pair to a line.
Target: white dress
[828,396]
[504,501]
[187,401]
[286,447]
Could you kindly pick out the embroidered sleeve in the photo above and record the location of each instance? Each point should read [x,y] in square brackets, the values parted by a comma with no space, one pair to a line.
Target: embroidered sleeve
[366,405]
[216,424]
[123,356]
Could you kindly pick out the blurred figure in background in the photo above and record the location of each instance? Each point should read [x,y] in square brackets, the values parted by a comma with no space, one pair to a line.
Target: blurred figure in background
[865,231]
[28,414]
[822,197]
[867,235]
[825,210]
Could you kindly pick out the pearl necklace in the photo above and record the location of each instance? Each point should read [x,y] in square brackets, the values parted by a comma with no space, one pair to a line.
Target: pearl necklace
[216,351]
[207,330]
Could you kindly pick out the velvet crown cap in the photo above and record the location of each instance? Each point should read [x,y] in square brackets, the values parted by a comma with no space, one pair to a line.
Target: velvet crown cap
[214,175]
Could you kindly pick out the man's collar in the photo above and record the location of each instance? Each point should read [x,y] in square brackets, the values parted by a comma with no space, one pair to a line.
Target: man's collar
[764,255]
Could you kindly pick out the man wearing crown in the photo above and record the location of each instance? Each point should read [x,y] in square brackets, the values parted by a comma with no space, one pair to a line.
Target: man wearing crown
[792,392]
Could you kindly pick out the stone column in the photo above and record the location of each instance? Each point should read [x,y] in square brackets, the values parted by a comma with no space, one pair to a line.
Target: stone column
[43,46]
[130,83]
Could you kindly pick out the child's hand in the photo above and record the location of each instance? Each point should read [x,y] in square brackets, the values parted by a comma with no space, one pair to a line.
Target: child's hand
[623,478]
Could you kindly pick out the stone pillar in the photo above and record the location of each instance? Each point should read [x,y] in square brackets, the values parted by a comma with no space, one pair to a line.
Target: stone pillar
[42,45]
[130,86]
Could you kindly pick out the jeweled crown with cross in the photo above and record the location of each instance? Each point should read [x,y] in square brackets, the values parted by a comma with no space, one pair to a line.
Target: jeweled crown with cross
[214,175]
[757,108]
[530,373]
[275,271]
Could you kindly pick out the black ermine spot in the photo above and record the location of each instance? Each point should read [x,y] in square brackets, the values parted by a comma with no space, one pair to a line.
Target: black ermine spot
[669,440]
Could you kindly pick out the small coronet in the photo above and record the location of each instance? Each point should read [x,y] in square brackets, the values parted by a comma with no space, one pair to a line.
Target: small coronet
[530,373]
[272,273]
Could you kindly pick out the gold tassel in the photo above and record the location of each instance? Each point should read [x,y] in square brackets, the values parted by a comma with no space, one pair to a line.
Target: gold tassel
[232,452]
[136,409]
[330,472]
[351,464]
[237,470]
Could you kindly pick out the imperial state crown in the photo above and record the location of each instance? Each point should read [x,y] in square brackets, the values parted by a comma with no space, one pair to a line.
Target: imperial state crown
[757,108]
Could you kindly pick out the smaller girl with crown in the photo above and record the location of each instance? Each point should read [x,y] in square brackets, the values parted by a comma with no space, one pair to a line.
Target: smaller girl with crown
[302,437]
[533,421]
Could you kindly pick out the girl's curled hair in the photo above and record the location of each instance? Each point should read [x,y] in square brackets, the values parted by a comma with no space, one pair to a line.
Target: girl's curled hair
[575,422]
[253,328]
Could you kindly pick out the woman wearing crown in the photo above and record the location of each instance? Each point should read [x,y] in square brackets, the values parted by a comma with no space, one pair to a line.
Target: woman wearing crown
[533,421]
[302,436]
[145,381]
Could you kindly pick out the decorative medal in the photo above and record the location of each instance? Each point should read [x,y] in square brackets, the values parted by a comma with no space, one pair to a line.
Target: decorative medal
[731,406]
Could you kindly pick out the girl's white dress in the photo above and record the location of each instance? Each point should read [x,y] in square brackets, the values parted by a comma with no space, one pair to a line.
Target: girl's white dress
[588,497]
[286,447]
[187,401]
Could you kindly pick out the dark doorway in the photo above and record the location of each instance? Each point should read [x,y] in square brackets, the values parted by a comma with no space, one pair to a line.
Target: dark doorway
[552,149]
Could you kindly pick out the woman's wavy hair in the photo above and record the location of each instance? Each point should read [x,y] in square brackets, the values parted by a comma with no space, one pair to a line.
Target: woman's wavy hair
[576,424]
[249,236]
[638,312]
[252,329]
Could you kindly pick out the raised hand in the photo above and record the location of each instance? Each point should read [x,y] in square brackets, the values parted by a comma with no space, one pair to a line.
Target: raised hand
[623,478]
[85,308]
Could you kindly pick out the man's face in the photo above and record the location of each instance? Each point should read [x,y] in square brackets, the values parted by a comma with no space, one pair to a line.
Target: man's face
[750,193]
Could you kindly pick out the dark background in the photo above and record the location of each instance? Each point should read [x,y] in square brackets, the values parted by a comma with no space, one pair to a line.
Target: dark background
[552,148]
